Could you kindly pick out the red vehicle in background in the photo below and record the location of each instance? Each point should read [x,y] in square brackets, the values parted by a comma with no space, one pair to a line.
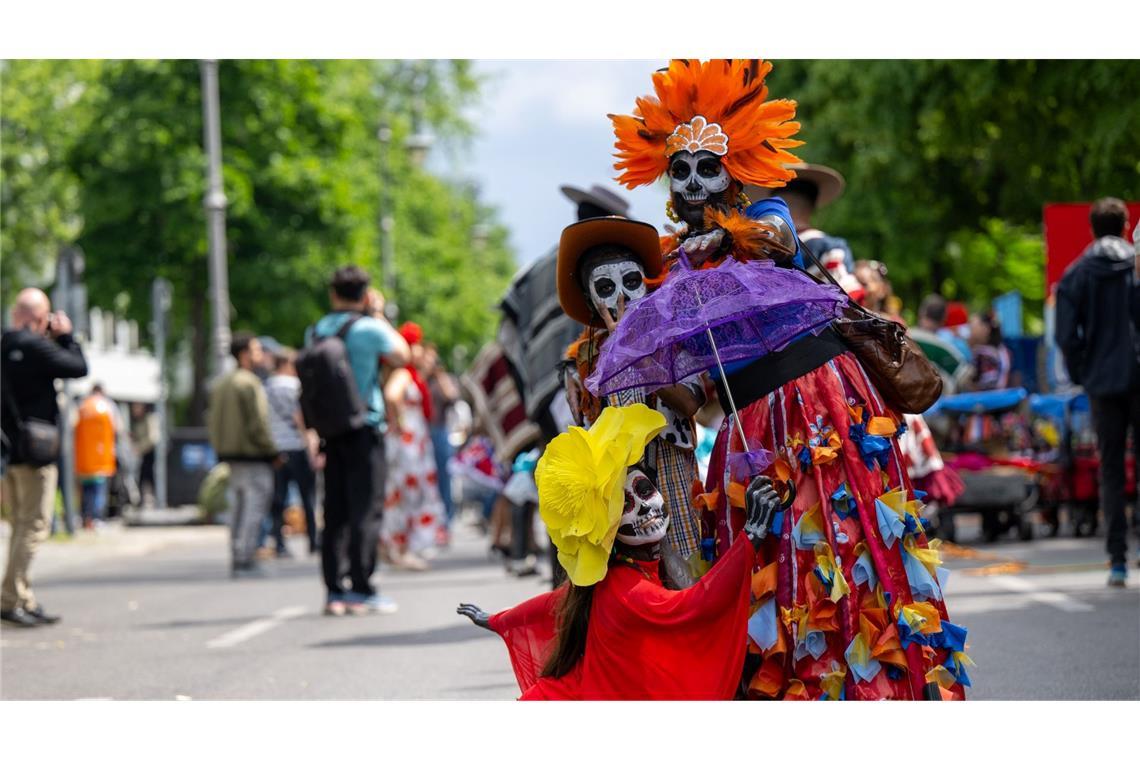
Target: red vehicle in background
[1070,466]
[1067,234]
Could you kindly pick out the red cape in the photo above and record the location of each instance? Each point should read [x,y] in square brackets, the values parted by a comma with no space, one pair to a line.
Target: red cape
[644,641]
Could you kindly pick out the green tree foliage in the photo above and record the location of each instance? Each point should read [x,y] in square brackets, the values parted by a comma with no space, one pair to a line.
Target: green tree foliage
[935,152]
[1013,255]
[302,180]
[44,108]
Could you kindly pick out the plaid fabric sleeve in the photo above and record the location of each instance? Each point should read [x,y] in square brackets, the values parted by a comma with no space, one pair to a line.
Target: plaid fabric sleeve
[676,471]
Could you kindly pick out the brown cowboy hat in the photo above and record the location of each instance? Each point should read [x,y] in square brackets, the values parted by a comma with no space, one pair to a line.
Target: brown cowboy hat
[640,238]
[827,181]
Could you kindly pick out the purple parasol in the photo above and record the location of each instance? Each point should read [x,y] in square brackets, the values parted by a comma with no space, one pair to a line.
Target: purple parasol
[700,318]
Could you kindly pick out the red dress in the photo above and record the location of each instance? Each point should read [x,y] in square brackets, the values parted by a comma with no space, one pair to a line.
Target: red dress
[644,641]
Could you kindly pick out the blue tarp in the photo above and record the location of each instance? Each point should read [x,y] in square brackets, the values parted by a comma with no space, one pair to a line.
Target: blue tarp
[980,402]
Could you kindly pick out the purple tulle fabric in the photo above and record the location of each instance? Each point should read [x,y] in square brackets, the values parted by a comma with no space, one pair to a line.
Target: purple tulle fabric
[743,466]
[753,308]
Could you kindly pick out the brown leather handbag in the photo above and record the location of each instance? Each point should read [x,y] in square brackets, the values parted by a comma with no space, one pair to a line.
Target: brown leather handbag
[897,367]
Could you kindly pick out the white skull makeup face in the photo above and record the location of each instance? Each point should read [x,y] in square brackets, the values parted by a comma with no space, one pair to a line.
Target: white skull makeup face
[613,276]
[643,520]
[695,177]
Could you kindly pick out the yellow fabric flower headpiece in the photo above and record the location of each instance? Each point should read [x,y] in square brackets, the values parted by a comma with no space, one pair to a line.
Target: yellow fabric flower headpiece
[581,483]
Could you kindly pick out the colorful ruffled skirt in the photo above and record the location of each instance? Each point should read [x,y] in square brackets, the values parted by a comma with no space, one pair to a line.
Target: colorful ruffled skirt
[847,594]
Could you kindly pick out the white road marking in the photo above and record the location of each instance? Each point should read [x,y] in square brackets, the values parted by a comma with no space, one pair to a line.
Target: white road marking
[255,628]
[1033,591]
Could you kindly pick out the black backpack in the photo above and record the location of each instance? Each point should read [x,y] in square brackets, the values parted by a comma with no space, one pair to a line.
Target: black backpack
[330,399]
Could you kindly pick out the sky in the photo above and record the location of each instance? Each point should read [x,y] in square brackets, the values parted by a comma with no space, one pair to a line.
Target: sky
[542,124]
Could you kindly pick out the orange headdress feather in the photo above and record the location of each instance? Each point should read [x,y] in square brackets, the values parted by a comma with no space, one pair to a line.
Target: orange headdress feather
[719,105]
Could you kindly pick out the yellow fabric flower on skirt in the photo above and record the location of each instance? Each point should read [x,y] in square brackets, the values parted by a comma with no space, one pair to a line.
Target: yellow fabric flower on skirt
[581,482]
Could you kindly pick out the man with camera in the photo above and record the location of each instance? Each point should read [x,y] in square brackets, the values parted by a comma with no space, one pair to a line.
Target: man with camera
[34,353]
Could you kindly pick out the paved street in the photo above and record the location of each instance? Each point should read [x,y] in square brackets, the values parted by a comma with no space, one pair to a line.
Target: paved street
[150,613]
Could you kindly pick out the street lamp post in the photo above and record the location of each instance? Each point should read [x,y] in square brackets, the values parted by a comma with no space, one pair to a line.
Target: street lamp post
[161,292]
[417,146]
[70,296]
[420,141]
[215,204]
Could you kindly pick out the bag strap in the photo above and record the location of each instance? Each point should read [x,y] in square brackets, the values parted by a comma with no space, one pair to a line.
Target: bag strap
[342,333]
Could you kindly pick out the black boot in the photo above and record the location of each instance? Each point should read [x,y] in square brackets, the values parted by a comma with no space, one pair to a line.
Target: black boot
[19,617]
[43,618]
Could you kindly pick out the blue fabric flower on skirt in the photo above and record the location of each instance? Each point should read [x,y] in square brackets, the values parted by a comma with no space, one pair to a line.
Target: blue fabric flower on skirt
[872,448]
[843,503]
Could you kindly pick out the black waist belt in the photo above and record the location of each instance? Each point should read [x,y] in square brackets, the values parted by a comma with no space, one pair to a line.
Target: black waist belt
[768,373]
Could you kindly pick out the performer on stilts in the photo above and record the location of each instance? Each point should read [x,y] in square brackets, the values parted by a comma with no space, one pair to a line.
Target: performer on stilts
[850,589]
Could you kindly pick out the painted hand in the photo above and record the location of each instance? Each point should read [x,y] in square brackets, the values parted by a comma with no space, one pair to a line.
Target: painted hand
[477,616]
[699,247]
[610,321]
[762,503]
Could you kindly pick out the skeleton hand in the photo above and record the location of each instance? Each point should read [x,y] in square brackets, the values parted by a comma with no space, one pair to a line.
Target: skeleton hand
[762,503]
[699,247]
[478,617]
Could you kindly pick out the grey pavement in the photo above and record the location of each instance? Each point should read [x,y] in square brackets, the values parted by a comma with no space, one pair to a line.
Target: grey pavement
[150,613]
[169,623]
[1044,624]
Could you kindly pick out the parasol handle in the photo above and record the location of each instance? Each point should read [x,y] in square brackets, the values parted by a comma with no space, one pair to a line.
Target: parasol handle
[728,391]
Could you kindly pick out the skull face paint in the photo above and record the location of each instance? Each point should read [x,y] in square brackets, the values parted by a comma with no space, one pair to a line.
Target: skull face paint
[643,519]
[612,276]
[696,180]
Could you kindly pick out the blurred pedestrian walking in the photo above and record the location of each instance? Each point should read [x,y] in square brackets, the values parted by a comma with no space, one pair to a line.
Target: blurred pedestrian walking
[33,354]
[96,430]
[292,440]
[239,432]
[144,433]
[479,475]
[933,313]
[992,361]
[342,401]
[520,493]
[444,393]
[878,294]
[414,514]
[1098,332]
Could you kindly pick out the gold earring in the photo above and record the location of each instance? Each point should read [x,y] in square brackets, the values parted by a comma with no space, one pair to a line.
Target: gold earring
[670,212]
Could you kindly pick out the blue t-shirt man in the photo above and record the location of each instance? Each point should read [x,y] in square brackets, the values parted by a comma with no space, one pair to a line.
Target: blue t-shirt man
[367,341]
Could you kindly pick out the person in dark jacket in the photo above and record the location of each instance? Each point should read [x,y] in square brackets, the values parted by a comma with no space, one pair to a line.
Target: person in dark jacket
[34,353]
[1098,332]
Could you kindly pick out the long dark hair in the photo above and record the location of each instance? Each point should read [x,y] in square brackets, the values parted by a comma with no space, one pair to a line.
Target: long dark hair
[572,621]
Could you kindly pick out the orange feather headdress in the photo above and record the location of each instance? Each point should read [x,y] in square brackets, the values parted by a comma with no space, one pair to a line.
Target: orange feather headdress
[718,106]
